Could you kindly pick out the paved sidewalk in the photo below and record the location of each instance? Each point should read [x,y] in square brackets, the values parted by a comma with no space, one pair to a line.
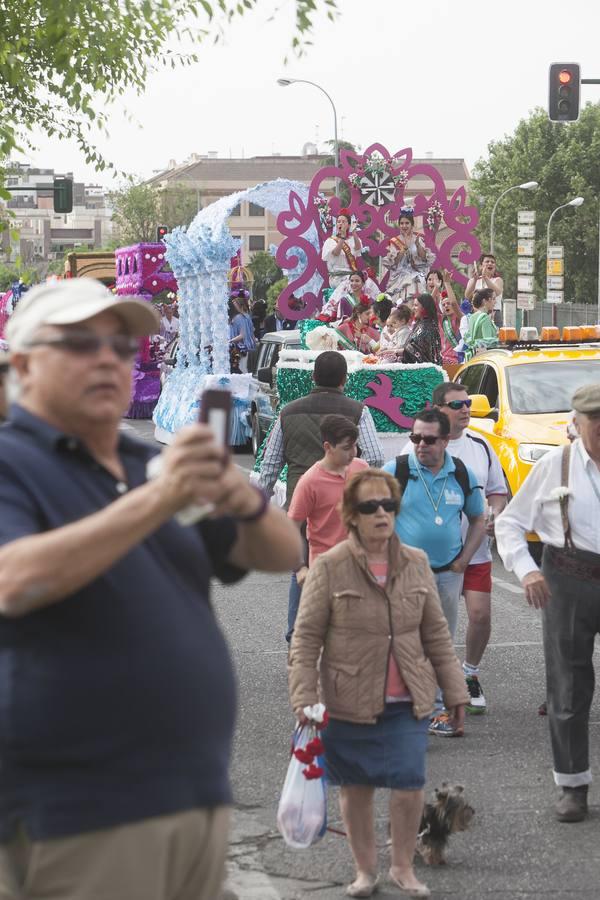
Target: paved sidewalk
[514,849]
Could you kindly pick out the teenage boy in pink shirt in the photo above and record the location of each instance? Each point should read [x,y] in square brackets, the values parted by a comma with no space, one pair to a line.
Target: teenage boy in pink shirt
[318,494]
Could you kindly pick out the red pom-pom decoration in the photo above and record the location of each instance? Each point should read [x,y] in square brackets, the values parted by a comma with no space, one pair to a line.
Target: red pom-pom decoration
[304,755]
[321,725]
[315,747]
[313,772]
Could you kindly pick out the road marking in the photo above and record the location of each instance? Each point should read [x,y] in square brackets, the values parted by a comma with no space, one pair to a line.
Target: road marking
[508,586]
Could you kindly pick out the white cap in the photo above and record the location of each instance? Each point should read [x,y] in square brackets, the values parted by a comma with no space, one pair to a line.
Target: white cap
[75,300]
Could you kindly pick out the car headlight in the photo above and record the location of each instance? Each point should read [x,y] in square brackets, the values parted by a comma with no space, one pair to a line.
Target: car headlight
[532,452]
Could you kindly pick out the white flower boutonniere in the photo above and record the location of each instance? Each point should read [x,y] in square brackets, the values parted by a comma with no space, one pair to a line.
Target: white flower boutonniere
[559,493]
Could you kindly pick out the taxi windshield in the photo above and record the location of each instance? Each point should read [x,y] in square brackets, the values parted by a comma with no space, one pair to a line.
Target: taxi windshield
[547,387]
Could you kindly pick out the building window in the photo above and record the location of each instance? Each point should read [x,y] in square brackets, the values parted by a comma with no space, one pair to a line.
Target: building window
[256,242]
[256,210]
[237,211]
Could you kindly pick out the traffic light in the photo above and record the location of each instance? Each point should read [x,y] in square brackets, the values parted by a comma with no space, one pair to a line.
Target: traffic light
[563,101]
[63,195]
[161,232]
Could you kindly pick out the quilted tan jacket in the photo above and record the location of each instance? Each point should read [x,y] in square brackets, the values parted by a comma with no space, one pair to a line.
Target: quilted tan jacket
[348,625]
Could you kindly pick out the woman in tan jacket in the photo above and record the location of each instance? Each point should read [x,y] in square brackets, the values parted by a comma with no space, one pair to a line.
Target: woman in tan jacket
[371,642]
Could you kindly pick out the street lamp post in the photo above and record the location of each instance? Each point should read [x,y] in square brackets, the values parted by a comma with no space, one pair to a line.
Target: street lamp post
[576,201]
[527,186]
[285,82]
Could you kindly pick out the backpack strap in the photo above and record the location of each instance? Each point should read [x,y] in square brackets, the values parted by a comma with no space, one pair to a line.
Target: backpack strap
[484,444]
[402,472]
[564,502]
[462,476]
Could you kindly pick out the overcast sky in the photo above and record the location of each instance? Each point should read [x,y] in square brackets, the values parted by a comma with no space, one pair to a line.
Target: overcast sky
[440,76]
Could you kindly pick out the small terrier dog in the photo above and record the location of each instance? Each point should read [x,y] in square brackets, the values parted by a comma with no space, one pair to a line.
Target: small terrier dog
[445,815]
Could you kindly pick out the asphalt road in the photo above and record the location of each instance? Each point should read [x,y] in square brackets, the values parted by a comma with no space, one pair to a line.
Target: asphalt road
[514,848]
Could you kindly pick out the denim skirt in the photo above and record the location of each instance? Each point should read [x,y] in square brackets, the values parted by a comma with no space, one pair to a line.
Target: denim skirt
[387,754]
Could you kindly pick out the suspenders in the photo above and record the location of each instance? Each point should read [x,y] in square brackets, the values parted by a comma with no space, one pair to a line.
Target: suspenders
[564,502]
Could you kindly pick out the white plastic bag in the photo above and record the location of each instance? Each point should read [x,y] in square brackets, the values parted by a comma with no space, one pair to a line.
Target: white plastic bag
[302,812]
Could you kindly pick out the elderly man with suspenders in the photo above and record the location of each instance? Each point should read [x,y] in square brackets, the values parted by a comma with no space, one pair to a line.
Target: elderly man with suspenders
[560,500]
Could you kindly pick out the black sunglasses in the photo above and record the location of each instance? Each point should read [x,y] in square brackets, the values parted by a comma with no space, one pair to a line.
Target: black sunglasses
[369,507]
[85,343]
[458,404]
[428,439]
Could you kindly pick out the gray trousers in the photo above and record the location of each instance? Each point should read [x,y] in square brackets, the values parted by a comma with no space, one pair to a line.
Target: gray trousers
[570,623]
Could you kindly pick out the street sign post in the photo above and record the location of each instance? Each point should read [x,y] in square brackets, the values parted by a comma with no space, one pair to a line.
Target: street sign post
[525,265]
[556,251]
[555,296]
[525,261]
[526,248]
[526,302]
[555,282]
[526,231]
[526,217]
[525,284]
[555,267]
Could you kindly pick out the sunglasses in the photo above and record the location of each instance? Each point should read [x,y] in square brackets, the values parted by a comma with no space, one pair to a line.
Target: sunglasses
[428,439]
[86,343]
[458,404]
[369,507]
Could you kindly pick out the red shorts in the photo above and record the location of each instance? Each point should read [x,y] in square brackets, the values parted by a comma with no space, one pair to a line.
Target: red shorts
[478,577]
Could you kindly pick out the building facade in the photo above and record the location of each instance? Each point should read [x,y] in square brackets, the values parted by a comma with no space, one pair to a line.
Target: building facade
[43,234]
[213,177]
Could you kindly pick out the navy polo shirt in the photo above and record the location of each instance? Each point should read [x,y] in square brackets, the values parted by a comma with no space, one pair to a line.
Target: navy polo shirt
[117,703]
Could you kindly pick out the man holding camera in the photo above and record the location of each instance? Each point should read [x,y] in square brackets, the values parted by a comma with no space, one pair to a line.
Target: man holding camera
[117,695]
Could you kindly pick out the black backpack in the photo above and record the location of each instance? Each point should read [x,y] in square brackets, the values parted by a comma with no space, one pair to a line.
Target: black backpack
[402,474]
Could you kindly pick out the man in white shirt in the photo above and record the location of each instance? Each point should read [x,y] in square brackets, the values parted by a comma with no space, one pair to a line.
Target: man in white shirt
[560,500]
[477,455]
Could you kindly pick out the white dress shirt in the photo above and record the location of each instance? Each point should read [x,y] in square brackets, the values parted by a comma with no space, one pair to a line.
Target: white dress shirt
[533,508]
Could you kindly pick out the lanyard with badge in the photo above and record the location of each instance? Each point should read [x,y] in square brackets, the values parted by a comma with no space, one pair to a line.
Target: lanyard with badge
[436,504]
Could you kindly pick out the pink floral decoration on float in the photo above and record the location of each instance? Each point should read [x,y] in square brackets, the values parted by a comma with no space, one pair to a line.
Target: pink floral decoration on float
[379,186]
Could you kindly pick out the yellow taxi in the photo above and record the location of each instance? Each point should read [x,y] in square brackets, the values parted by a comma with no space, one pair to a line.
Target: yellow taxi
[522,399]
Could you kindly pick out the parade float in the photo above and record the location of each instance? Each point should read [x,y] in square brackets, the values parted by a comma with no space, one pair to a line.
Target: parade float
[142,271]
[378,186]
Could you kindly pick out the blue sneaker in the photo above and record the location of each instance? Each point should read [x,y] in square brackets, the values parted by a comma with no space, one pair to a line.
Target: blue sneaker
[442,726]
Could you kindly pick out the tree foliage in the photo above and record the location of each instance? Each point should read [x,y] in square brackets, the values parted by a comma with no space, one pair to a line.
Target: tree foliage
[63,62]
[265,271]
[274,292]
[136,213]
[177,205]
[565,160]
[139,208]
[330,161]
[12,272]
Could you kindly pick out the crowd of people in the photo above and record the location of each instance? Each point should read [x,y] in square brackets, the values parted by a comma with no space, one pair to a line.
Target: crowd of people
[418,318]
[392,547]
[381,553]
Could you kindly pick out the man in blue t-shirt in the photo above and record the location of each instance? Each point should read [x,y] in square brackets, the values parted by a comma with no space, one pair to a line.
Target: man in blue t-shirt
[434,498]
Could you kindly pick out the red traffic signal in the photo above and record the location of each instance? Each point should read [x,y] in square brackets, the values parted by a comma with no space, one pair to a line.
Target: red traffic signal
[161,232]
[563,95]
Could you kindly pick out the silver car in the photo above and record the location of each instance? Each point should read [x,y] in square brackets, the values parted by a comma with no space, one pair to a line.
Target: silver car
[264,404]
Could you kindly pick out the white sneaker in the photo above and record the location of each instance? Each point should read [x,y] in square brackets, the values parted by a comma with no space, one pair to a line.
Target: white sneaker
[476,704]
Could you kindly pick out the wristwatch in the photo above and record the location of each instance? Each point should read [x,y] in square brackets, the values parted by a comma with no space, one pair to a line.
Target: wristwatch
[262,509]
